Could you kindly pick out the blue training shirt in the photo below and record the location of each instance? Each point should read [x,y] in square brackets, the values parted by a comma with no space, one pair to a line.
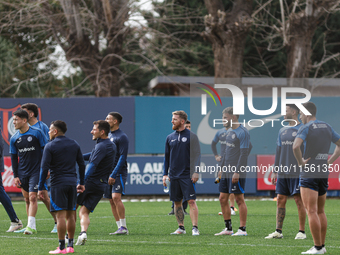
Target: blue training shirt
[28,147]
[284,157]
[220,136]
[237,149]
[101,161]
[60,157]
[182,154]
[120,139]
[43,127]
[317,136]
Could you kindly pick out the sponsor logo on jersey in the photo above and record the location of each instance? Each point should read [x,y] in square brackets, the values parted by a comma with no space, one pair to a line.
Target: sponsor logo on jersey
[287,142]
[27,149]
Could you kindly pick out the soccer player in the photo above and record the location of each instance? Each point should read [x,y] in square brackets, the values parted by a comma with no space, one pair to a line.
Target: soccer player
[182,154]
[287,183]
[235,157]
[32,110]
[4,198]
[220,136]
[27,144]
[317,136]
[97,174]
[60,157]
[184,203]
[117,180]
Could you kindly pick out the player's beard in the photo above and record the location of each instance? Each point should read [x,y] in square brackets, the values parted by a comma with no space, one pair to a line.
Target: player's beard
[176,127]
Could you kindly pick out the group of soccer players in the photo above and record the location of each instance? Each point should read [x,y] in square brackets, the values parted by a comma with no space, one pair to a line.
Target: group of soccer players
[303,146]
[38,152]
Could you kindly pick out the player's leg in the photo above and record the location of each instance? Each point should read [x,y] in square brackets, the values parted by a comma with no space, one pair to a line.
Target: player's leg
[280,211]
[7,203]
[310,201]
[224,202]
[84,216]
[47,203]
[232,203]
[238,190]
[176,195]
[301,212]
[32,211]
[242,209]
[71,228]
[322,217]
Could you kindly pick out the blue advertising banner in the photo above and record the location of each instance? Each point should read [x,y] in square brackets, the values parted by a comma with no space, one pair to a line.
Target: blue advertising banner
[146,176]
[78,113]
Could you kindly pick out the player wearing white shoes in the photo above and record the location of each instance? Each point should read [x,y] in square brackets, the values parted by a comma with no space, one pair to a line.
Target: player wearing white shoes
[317,137]
[100,166]
[4,198]
[182,154]
[235,157]
[27,144]
[60,157]
[33,111]
[287,183]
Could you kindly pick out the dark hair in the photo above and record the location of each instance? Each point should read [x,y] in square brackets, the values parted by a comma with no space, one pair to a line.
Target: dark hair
[31,107]
[22,114]
[60,125]
[311,107]
[103,125]
[294,107]
[230,111]
[187,122]
[117,116]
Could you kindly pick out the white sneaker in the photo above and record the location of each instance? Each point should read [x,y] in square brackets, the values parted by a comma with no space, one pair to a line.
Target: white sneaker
[240,233]
[195,232]
[313,250]
[82,239]
[54,230]
[324,249]
[232,211]
[178,232]
[300,236]
[275,235]
[15,226]
[225,232]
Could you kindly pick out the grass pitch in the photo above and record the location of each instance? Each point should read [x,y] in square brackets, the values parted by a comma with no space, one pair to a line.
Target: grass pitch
[150,229]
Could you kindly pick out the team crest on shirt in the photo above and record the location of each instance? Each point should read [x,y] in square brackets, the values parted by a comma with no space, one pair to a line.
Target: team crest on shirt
[184,139]
[6,119]
[294,134]
[233,136]
[29,139]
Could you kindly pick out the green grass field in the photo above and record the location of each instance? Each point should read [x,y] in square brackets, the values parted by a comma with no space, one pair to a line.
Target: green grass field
[150,228]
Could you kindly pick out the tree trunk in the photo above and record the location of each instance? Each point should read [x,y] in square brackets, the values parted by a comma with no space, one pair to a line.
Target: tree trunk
[227,32]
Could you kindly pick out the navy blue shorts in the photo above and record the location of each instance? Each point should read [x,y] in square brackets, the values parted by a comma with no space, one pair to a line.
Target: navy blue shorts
[92,195]
[287,186]
[318,184]
[118,187]
[182,189]
[226,186]
[63,198]
[30,183]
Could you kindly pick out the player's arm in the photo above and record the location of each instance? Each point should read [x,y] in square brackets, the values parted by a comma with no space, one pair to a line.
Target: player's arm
[123,151]
[298,153]
[166,161]
[243,158]
[277,159]
[336,153]
[196,151]
[81,165]
[44,168]
[86,156]
[214,148]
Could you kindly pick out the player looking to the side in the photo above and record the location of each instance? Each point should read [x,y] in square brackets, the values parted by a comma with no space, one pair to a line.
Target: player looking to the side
[97,174]
[182,154]
[235,157]
[33,111]
[60,157]
[317,136]
[27,145]
[117,180]
[287,183]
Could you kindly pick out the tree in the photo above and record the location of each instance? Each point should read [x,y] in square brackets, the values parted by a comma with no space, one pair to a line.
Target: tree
[91,33]
[227,31]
